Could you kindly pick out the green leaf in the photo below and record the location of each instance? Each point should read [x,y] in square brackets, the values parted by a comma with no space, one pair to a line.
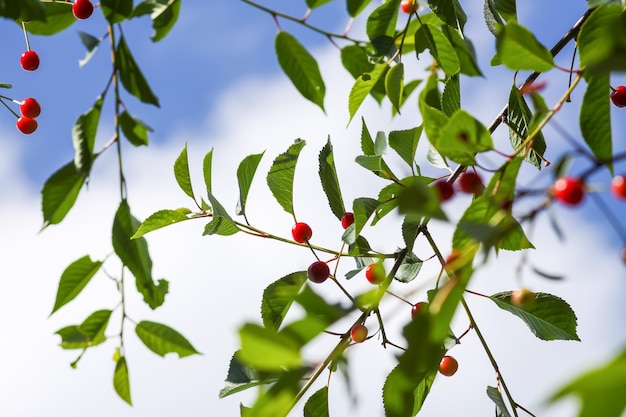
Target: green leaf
[519,116]
[241,377]
[430,107]
[278,298]
[404,142]
[134,129]
[363,86]
[245,173]
[363,208]
[181,172]
[281,175]
[462,137]
[381,26]
[278,400]
[317,404]
[58,17]
[89,333]
[316,3]
[394,84]
[301,68]
[418,200]
[222,224]
[465,52]
[356,60]
[135,256]
[548,317]
[84,137]
[595,118]
[91,43]
[162,339]
[518,49]
[23,10]
[121,381]
[74,278]
[450,11]
[164,14]
[330,182]
[60,192]
[131,76]
[266,350]
[430,37]
[116,11]
[494,394]
[158,220]
[602,40]
[355,7]
[451,97]
[599,390]
[207,167]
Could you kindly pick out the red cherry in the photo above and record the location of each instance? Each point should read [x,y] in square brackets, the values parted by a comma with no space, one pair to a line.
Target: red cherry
[358,333]
[407,6]
[318,271]
[347,219]
[471,183]
[569,190]
[618,186]
[448,366]
[618,96]
[26,125]
[417,308]
[30,60]
[82,9]
[444,190]
[375,273]
[30,108]
[301,232]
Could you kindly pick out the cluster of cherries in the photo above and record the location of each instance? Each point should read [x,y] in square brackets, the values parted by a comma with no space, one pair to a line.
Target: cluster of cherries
[29,108]
[319,272]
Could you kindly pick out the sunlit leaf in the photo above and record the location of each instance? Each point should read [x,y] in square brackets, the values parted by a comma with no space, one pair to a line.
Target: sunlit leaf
[181,172]
[394,84]
[162,339]
[363,86]
[121,381]
[158,220]
[595,117]
[84,137]
[60,192]
[74,278]
[134,129]
[131,76]
[241,377]
[330,182]
[281,175]
[91,43]
[245,173]
[266,350]
[300,67]
[518,49]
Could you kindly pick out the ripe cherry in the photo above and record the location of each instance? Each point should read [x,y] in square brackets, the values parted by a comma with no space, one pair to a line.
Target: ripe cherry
[448,366]
[26,125]
[618,186]
[347,219]
[358,333]
[301,232]
[417,308]
[82,9]
[471,183]
[444,190]
[30,60]
[375,273]
[407,6]
[30,108]
[569,190]
[318,271]
[522,297]
[618,96]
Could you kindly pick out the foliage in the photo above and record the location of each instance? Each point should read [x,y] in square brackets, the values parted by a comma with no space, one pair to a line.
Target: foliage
[271,357]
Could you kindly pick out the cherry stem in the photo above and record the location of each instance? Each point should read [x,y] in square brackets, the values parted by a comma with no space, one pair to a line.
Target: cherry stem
[26,36]
[8,108]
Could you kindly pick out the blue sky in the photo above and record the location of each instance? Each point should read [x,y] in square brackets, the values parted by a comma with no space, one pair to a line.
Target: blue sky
[220,87]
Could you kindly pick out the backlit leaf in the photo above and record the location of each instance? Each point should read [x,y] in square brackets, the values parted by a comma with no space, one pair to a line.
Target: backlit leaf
[162,339]
[121,381]
[330,182]
[281,175]
[181,172]
[134,129]
[131,76]
[364,86]
[394,84]
[158,220]
[116,11]
[245,173]
[241,377]
[404,142]
[84,137]
[595,117]
[74,278]
[518,49]
[266,350]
